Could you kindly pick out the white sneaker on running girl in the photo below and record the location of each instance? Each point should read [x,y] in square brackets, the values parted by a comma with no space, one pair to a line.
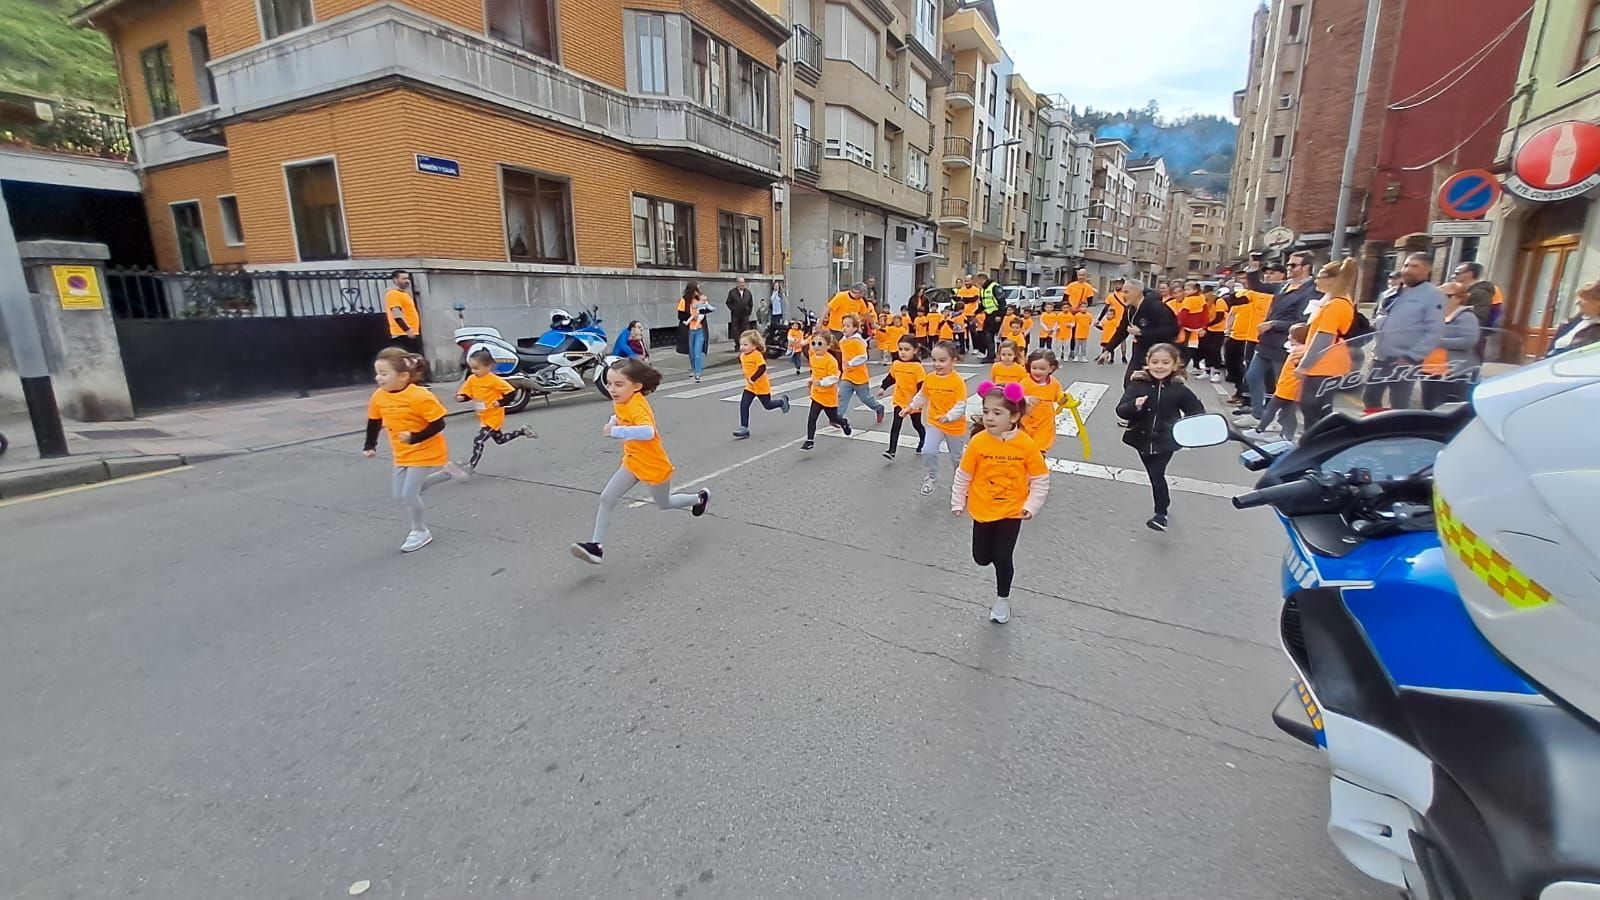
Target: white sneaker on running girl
[454,470]
[1000,613]
[416,540]
[928,484]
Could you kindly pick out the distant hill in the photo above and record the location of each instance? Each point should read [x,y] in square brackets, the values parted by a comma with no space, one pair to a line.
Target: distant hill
[40,52]
[1190,144]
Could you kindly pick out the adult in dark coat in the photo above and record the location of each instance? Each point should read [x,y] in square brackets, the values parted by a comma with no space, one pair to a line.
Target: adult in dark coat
[741,303]
[1149,322]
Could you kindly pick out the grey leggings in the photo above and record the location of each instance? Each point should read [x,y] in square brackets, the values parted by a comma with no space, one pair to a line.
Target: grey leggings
[409,483]
[622,482]
[957,443]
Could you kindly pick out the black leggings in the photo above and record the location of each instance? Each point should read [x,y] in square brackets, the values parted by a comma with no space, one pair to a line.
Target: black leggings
[993,543]
[485,434]
[1233,361]
[1155,465]
[894,429]
[817,409]
[767,401]
[1314,404]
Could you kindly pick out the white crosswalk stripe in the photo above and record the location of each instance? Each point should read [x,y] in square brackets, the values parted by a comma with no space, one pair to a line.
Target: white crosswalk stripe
[1088,394]
[722,384]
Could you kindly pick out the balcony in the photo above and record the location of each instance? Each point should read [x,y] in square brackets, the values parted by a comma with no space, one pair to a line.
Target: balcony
[385,42]
[969,30]
[807,48]
[807,155]
[68,128]
[963,88]
[189,136]
[954,213]
[845,173]
[958,152]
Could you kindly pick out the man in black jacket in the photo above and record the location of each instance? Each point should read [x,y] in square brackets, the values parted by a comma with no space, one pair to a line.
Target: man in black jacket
[740,304]
[1291,297]
[1150,322]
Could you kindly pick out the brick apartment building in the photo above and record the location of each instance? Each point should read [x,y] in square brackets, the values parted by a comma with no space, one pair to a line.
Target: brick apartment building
[503,148]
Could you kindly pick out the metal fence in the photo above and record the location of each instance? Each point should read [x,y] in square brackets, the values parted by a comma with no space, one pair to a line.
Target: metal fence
[73,129]
[239,294]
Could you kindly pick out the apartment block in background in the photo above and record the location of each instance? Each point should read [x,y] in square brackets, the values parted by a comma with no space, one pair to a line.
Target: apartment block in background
[866,75]
[1152,188]
[551,152]
[1268,109]
[1020,160]
[1197,229]
[972,192]
[1107,245]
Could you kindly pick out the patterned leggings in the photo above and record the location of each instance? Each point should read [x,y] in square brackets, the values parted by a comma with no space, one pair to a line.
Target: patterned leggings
[486,434]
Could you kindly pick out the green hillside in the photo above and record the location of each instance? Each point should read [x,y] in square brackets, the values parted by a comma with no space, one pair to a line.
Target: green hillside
[1198,148]
[41,52]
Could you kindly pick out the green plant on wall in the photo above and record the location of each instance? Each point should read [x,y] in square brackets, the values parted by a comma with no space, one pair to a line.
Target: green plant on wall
[41,52]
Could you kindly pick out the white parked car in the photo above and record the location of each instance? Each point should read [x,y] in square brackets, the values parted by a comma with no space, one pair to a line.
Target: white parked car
[1026,299]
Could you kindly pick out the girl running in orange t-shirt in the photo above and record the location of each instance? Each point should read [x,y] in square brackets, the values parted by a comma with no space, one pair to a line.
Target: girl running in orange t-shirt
[827,368]
[414,418]
[905,376]
[944,399]
[488,391]
[1007,370]
[1002,481]
[1043,392]
[757,381]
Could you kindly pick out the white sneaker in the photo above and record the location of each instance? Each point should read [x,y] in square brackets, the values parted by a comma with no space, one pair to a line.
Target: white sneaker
[1216,377]
[416,540]
[454,470]
[1000,613]
[929,482]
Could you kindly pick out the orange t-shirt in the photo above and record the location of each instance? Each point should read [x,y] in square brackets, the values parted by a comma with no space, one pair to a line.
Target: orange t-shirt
[645,460]
[908,378]
[1081,322]
[852,347]
[1335,318]
[945,393]
[1118,307]
[1248,316]
[485,390]
[1079,294]
[398,299]
[823,365]
[1288,386]
[1000,471]
[1013,328]
[1039,422]
[410,409]
[919,325]
[1008,373]
[1219,312]
[843,305]
[752,362]
[797,341]
[935,320]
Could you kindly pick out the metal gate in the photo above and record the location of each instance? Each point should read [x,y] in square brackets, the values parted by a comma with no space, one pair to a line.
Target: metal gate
[206,337]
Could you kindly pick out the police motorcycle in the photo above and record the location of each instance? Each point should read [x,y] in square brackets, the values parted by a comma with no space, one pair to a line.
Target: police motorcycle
[572,355]
[1441,612]
[777,336]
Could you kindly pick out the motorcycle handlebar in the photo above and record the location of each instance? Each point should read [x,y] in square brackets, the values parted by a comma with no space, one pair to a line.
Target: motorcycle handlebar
[1299,490]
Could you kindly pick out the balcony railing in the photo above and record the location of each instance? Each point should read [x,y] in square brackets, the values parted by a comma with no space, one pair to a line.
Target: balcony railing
[807,151]
[962,89]
[954,208]
[73,129]
[807,48]
[958,149]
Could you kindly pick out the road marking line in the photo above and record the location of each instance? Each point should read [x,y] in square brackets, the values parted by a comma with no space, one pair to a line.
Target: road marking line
[803,401]
[1089,394]
[724,470]
[61,492]
[706,388]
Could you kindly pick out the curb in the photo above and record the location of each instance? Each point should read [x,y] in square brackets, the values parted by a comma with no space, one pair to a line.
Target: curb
[24,482]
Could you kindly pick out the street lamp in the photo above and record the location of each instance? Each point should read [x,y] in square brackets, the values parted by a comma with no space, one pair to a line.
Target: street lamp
[1011,142]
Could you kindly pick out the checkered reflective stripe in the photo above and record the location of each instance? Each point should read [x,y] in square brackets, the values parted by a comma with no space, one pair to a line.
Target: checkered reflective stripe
[1484,561]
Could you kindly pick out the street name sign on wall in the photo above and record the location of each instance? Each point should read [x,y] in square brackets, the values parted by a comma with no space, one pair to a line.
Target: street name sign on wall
[1468,194]
[1460,229]
[1559,162]
[438,165]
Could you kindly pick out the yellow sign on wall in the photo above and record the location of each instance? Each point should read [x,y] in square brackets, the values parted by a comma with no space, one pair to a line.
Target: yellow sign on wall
[78,287]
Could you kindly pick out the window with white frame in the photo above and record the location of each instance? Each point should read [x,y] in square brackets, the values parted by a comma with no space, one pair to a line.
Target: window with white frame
[850,136]
[917,169]
[851,39]
[316,210]
[663,233]
[1091,240]
[752,95]
[283,16]
[917,94]
[192,251]
[927,24]
[738,243]
[650,51]
[232,230]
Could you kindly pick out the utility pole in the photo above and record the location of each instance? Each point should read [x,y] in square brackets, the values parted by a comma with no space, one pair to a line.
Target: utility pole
[27,348]
[1369,41]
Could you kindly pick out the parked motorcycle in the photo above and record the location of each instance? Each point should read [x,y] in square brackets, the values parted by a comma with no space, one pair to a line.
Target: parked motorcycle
[777,336]
[572,355]
[1441,613]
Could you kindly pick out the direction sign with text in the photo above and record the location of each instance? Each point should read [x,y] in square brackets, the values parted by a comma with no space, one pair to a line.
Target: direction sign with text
[1460,229]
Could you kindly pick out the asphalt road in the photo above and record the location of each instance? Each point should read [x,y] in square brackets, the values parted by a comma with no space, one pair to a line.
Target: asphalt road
[227,682]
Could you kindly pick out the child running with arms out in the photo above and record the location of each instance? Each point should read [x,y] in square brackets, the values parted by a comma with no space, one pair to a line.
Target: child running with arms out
[1043,393]
[1008,368]
[1156,398]
[1002,481]
[633,423]
[757,382]
[854,378]
[797,345]
[905,375]
[944,400]
[826,369]
[414,418]
[488,392]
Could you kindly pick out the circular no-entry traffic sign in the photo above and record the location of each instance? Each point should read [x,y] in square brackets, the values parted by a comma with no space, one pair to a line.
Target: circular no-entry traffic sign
[1559,162]
[1468,194]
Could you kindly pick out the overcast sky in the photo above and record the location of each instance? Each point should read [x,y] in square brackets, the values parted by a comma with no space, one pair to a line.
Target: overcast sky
[1187,55]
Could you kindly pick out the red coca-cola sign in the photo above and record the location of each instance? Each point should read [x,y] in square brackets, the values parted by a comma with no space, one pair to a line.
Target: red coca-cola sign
[1559,162]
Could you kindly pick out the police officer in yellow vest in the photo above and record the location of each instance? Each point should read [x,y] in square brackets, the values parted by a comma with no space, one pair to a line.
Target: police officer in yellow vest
[989,298]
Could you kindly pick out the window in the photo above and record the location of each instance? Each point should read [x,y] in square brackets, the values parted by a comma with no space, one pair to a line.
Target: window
[192,252]
[738,243]
[663,233]
[851,39]
[529,24]
[1589,49]
[283,16]
[199,55]
[1285,101]
[994,91]
[1296,13]
[538,218]
[917,94]
[751,96]
[156,63]
[711,71]
[927,23]
[916,169]
[1277,146]
[850,136]
[650,52]
[316,210]
[232,231]
[1091,240]
[1272,205]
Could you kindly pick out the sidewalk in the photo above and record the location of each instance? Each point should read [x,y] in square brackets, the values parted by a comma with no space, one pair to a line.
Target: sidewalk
[105,450]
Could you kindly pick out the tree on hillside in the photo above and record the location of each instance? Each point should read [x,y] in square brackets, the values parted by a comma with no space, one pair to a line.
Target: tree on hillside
[1190,143]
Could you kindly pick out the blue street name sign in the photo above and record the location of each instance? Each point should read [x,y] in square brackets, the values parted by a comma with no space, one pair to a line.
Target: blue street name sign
[438,165]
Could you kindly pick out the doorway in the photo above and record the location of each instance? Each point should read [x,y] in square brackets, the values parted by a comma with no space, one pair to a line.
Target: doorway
[1543,289]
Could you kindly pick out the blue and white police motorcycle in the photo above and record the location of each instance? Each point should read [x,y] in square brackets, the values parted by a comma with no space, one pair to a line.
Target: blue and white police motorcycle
[574,354]
[1441,610]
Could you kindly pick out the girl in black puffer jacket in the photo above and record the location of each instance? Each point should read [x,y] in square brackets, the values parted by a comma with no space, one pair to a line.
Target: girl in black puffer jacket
[1156,398]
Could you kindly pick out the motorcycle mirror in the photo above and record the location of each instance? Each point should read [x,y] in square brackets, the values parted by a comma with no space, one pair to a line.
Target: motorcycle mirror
[1206,430]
